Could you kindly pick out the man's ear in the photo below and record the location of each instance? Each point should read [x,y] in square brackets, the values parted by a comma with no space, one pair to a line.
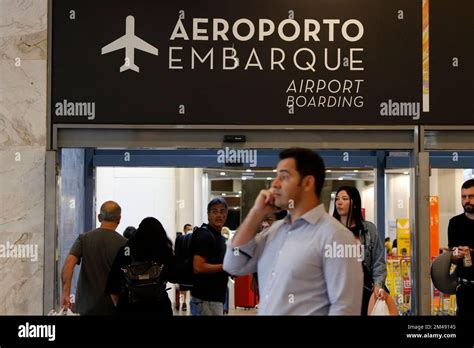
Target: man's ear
[309,183]
[99,216]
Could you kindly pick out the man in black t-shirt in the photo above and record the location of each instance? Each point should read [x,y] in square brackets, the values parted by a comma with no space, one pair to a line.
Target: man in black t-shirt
[208,248]
[461,240]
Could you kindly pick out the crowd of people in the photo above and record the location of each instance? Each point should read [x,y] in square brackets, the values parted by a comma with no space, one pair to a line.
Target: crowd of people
[287,242]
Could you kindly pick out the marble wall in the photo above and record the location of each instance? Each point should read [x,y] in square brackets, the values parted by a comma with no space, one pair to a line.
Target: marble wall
[23,78]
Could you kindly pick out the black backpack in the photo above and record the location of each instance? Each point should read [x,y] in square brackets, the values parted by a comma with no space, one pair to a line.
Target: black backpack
[184,256]
[144,282]
[184,259]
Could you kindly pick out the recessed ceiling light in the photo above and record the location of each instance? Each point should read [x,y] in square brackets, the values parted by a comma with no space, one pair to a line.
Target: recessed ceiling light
[328,171]
[222,173]
[340,178]
[274,170]
[356,171]
[224,194]
[268,178]
[244,178]
[406,173]
[240,192]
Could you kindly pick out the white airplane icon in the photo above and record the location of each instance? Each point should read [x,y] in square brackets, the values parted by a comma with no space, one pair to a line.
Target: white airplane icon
[130,42]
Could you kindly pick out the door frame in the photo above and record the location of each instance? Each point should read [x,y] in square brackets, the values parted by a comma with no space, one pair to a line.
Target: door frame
[398,139]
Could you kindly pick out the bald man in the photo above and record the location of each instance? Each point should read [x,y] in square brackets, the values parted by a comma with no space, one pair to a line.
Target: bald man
[96,250]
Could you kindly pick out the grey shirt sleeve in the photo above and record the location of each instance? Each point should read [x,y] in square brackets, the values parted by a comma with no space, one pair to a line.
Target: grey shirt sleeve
[242,260]
[76,249]
[344,279]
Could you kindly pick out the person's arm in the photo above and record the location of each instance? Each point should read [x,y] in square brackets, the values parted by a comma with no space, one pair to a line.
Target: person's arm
[379,267]
[201,266]
[243,260]
[66,277]
[74,257]
[202,244]
[239,257]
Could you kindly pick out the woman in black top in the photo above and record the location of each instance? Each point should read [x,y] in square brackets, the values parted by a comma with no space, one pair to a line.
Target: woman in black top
[151,244]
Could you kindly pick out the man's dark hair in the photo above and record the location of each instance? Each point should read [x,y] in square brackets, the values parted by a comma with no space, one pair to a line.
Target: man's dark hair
[468,184]
[216,201]
[186,225]
[307,163]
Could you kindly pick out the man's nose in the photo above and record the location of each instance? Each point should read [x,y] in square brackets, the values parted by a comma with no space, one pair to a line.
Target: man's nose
[276,182]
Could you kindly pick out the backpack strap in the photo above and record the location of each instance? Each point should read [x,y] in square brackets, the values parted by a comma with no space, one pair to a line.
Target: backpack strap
[204,227]
[209,232]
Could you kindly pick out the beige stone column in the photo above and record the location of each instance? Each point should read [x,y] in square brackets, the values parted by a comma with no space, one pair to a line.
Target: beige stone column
[23,76]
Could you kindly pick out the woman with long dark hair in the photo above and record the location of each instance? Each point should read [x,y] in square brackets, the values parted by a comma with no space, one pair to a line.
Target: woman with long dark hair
[348,210]
[149,245]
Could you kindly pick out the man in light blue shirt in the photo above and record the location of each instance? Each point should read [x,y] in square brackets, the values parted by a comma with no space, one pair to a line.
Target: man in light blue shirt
[308,263]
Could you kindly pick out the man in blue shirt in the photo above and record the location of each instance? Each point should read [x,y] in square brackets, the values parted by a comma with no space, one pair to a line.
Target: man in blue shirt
[308,263]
